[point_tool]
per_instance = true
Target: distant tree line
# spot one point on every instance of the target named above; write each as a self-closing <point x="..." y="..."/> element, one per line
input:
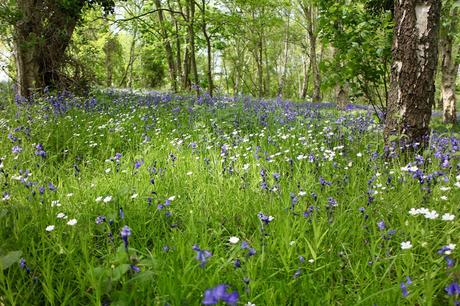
<point x="385" y="53"/>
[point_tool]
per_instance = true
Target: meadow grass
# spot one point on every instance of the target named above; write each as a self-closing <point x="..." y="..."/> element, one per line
<point x="132" y="200"/>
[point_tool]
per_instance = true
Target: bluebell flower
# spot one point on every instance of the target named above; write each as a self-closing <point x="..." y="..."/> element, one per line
<point x="453" y="289"/>
<point x="408" y="280"/>
<point x="40" y="151"/>
<point x="100" y="219"/>
<point x="331" y="202"/>
<point x="449" y="261"/>
<point x="314" y="196"/>
<point x="135" y="268"/>
<point x="125" y="233"/>
<point x="323" y="182"/>
<point x="201" y="255"/>
<point x="219" y="293"/>
<point x="265" y="219"/>
<point x="138" y="164"/>
<point x="16" y="150"/>
<point x="404" y="291"/>
<point x="381" y="225"/>
<point x="23" y="265"/>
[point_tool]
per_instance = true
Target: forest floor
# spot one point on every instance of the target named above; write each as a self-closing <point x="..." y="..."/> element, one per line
<point x="168" y="200"/>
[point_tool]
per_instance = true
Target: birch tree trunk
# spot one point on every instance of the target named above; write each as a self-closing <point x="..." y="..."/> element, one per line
<point x="411" y="95"/>
<point x="449" y="70"/>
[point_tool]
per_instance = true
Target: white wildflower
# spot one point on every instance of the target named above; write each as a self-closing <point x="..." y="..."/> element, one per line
<point x="72" y="222"/>
<point x="432" y="215"/>
<point x="234" y="240"/>
<point x="447" y="217"/>
<point x="405" y="245"/>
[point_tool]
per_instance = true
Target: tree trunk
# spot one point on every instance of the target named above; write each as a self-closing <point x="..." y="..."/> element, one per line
<point x="260" y="71"/>
<point x="306" y="75"/>
<point x="26" y="63"/>
<point x="449" y="69"/>
<point x="309" y="16"/>
<point x="191" y="30"/>
<point x="178" y="57"/>
<point x="41" y="36"/>
<point x="411" y="94"/>
<point x="108" y="51"/>
<point x="168" y="48"/>
<point x="132" y="58"/>
<point x="341" y="92"/>
<point x="187" y="84"/>
<point x="54" y="46"/>
<point x="207" y="37"/>
<point x="285" y="59"/>
<point x="341" y="89"/>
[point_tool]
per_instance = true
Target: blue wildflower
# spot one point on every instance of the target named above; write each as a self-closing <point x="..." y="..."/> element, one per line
<point x="201" y="255"/>
<point x="100" y="219"/>
<point x="405" y="293"/>
<point x="125" y="233"/>
<point x="453" y="289"/>
<point x="331" y="202"/>
<point x="16" y="150"/>
<point x="265" y="219"/>
<point x="212" y="296"/>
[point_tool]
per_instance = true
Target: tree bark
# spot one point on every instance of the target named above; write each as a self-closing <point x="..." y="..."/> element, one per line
<point x="207" y="37"/>
<point x="411" y="94"/>
<point x="306" y="75"/>
<point x="168" y="48"/>
<point x="191" y="32"/>
<point x="449" y="70"/>
<point x="341" y="89"/>
<point x="132" y="58"/>
<point x="285" y="59"/>
<point x="41" y="36"/>
<point x="178" y="56"/>
<point x="309" y="16"/>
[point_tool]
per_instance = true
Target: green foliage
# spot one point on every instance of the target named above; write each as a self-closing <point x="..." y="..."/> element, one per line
<point x="362" y="40"/>
<point x="153" y="70"/>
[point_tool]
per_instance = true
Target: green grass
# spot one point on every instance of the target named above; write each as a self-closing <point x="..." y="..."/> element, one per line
<point x="348" y="259"/>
